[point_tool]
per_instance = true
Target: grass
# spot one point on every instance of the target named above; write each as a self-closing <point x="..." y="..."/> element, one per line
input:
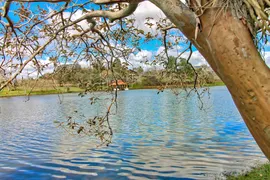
<point x="257" y="173"/>
<point x="23" y="92"/>
<point x="140" y="86"/>
<point x="136" y="86"/>
<point x="50" y="90"/>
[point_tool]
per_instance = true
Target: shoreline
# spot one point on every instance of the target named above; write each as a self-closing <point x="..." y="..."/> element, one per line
<point x="41" y="92"/>
<point x="17" y="93"/>
<point x="174" y="86"/>
<point x="258" y="172"/>
<point x="37" y="93"/>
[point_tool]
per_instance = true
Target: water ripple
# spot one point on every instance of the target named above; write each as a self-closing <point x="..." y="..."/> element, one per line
<point x="156" y="137"/>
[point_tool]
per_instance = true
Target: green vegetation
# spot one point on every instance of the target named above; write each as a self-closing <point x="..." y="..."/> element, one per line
<point x="259" y="173"/>
<point x="137" y="86"/>
<point x="60" y="90"/>
<point x="174" y="72"/>
<point x="22" y="92"/>
<point x="70" y="78"/>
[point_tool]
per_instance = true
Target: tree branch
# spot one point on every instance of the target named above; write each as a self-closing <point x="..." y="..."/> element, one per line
<point x="49" y="1"/>
<point x="115" y="1"/>
<point x="169" y="27"/>
<point x="89" y="17"/>
<point x="6" y="8"/>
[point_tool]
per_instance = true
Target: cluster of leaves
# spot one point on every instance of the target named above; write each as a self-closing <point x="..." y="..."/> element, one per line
<point x="97" y="126"/>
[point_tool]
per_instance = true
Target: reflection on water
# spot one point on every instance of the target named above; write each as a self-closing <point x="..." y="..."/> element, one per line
<point x="155" y="136"/>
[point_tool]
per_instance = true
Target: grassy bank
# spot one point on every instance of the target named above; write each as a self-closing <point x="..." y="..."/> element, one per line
<point x="140" y="86"/>
<point x="50" y="90"/>
<point x="23" y="92"/>
<point x="258" y="173"/>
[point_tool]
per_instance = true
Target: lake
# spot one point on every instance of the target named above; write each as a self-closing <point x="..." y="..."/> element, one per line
<point x="156" y="136"/>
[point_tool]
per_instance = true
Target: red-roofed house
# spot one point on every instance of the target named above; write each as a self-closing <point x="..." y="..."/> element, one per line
<point x="119" y="85"/>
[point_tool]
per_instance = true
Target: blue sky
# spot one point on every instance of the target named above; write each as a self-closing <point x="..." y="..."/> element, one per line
<point x="147" y="9"/>
<point x="153" y="47"/>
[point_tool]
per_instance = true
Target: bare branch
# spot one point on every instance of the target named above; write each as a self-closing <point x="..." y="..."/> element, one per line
<point x="6" y="8"/>
<point x="89" y="17"/>
<point x="169" y="27"/>
<point x="115" y="1"/>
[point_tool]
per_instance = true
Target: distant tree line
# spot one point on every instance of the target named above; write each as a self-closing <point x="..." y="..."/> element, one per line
<point x="175" y="72"/>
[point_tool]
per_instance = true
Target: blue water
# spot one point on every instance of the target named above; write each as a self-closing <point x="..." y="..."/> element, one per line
<point x="156" y="136"/>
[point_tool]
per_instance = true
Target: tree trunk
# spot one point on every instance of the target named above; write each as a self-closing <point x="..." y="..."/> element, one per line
<point x="227" y="45"/>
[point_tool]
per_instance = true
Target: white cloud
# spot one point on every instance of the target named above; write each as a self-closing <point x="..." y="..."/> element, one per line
<point x="147" y="9"/>
<point x="143" y="56"/>
<point x="30" y="69"/>
<point x="172" y="52"/>
<point x="78" y="14"/>
<point x="267" y="58"/>
<point x="196" y="59"/>
<point x="84" y="25"/>
<point x="140" y="59"/>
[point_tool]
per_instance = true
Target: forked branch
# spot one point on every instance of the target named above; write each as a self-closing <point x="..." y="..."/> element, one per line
<point x="89" y="16"/>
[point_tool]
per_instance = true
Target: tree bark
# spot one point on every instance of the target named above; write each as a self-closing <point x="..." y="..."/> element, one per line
<point x="227" y="45"/>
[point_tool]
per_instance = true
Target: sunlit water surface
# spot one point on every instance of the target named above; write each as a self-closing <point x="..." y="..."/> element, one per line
<point x="156" y="136"/>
